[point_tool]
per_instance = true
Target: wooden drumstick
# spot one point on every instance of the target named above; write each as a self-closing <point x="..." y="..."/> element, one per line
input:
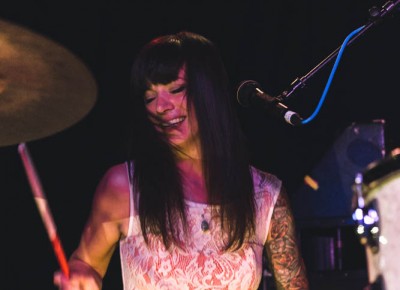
<point x="43" y="207"/>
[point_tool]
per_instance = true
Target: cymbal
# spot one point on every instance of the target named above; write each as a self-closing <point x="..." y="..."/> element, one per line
<point x="44" y="88"/>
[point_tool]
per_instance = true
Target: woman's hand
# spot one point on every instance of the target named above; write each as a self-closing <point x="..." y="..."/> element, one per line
<point x="82" y="277"/>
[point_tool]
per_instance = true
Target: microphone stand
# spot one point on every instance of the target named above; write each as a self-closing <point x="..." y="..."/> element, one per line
<point x="376" y="16"/>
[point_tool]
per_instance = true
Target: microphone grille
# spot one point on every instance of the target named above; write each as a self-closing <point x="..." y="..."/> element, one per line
<point x="245" y="92"/>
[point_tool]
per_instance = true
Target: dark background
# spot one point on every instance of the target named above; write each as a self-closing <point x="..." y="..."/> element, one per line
<point x="272" y="42"/>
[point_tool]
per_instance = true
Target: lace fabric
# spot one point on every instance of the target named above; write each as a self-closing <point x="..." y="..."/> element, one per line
<point x="200" y="263"/>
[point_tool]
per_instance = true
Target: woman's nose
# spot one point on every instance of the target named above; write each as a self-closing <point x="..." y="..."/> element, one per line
<point x="164" y="104"/>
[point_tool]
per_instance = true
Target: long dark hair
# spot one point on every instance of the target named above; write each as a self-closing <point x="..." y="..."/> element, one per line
<point x="224" y="155"/>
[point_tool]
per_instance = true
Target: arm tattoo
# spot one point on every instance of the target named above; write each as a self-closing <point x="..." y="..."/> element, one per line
<point x="282" y="249"/>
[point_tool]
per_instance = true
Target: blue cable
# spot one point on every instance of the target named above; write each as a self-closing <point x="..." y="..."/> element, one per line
<point x="331" y="76"/>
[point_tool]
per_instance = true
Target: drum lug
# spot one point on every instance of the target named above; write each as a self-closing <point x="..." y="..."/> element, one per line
<point x="366" y="217"/>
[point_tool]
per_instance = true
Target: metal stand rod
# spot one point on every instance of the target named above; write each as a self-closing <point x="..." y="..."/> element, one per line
<point x="376" y="16"/>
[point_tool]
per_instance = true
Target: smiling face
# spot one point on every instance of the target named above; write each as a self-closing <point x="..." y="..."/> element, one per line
<point x="167" y="109"/>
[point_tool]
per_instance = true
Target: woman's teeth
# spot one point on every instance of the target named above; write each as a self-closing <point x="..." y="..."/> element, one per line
<point x="172" y="122"/>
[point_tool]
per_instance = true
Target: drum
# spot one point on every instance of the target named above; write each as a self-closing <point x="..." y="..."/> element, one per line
<point x="376" y="210"/>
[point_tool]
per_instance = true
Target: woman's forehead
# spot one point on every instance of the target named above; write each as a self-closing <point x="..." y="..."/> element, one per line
<point x="182" y="73"/>
<point x="180" y="77"/>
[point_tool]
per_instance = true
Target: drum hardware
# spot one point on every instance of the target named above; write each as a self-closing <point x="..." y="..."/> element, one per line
<point x="366" y="218"/>
<point x="376" y="212"/>
<point x="44" y="88"/>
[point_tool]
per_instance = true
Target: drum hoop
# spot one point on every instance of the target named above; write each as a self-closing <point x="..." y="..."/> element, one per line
<point x="370" y="192"/>
<point x="381" y="168"/>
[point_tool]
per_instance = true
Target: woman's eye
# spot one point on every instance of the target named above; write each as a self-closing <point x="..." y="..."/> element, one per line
<point x="148" y="100"/>
<point x="178" y="90"/>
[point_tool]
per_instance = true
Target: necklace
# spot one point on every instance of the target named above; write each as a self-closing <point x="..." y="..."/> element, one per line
<point x="204" y="224"/>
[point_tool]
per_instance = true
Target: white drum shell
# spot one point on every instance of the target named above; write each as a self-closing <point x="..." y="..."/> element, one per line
<point x="386" y="262"/>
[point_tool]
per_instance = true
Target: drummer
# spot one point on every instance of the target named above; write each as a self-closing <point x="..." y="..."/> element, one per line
<point x="188" y="210"/>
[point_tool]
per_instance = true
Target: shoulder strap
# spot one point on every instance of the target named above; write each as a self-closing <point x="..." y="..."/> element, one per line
<point x="129" y="169"/>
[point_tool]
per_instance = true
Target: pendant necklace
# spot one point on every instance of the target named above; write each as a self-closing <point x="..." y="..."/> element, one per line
<point x="204" y="224"/>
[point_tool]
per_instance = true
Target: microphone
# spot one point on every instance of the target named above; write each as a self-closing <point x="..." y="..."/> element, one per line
<point x="249" y="93"/>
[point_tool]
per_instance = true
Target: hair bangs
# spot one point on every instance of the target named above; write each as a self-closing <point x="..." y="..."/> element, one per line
<point x="163" y="60"/>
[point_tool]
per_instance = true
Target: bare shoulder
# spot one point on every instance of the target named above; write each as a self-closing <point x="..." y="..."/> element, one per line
<point x="116" y="178"/>
<point x="112" y="193"/>
<point x="265" y="181"/>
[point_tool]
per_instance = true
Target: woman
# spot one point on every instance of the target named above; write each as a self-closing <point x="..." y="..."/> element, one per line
<point x="189" y="211"/>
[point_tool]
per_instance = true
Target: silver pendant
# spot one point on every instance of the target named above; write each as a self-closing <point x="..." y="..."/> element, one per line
<point x="205" y="226"/>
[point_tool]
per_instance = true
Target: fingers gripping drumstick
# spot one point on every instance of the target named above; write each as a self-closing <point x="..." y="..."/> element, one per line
<point x="43" y="207"/>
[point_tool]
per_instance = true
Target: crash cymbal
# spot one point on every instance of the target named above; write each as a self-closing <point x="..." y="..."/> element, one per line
<point x="44" y="88"/>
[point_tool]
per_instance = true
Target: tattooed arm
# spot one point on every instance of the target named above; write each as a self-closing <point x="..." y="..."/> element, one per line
<point x="282" y="250"/>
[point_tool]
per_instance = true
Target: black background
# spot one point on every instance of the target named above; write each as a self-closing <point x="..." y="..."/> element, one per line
<point x="272" y="42"/>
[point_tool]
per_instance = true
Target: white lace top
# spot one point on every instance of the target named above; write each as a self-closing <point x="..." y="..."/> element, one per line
<point x="200" y="264"/>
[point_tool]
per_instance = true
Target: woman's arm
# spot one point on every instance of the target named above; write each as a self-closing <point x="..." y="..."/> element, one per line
<point x="88" y="263"/>
<point x="282" y="249"/>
